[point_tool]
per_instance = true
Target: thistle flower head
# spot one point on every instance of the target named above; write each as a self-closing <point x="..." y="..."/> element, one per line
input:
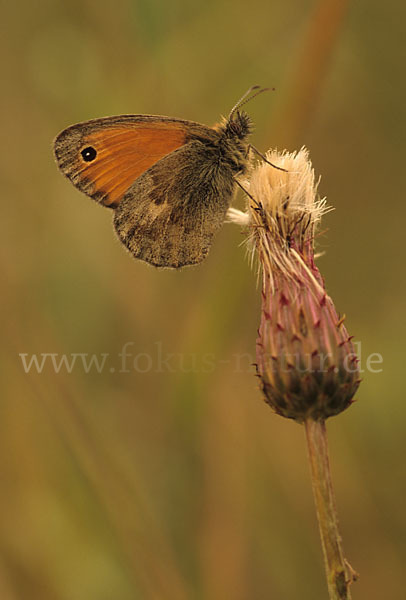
<point x="305" y="357"/>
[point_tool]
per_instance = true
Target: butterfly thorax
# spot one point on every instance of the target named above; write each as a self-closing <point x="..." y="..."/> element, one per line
<point x="232" y="144"/>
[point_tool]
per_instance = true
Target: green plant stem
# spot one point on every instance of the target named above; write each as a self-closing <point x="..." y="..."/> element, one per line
<point x="339" y="573"/>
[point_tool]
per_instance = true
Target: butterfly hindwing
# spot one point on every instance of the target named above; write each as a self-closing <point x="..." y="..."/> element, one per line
<point x="169" y="215"/>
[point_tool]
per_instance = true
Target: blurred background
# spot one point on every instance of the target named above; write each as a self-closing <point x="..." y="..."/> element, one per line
<point x="151" y="468"/>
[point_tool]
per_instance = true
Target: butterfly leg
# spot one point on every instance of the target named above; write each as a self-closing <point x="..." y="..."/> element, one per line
<point x="258" y="205"/>
<point x="251" y="147"/>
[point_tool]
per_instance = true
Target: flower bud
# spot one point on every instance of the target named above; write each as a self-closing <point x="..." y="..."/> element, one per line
<point x="306" y="361"/>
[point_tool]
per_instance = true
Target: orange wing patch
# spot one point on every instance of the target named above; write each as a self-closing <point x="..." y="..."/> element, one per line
<point x="122" y="155"/>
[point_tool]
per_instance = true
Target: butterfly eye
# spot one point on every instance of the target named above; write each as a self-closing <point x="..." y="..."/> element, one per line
<point x="89" y="154"/>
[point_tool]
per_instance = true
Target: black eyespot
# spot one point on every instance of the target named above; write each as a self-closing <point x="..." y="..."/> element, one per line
<point x="89" y="154"/>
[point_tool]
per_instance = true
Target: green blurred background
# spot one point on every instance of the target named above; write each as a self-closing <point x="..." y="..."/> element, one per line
<point x="174" y="480"/>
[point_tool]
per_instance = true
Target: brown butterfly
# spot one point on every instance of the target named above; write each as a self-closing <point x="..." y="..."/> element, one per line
<point x="169" y="181"/>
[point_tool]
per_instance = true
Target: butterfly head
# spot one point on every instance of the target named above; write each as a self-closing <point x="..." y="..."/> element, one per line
<point x="238" y="126"/>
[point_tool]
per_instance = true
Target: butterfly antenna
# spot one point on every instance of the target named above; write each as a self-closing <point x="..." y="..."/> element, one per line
<point x="247" y="98"/>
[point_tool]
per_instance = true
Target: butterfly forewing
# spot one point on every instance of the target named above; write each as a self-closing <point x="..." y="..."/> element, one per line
<point x="104" y="157"/>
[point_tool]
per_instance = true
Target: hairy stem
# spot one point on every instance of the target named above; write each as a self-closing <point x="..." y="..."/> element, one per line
<point x="339" y="573"/>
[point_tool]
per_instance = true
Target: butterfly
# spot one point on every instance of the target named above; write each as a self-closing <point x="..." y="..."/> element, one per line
<point x="169" y="182"/>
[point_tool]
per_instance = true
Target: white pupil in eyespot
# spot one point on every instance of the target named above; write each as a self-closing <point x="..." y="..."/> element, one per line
<point x="89" y="154"/>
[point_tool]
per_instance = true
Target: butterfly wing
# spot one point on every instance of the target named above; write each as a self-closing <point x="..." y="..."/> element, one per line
<point x="169" y="215"/>
<point x="104" y="157"/>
